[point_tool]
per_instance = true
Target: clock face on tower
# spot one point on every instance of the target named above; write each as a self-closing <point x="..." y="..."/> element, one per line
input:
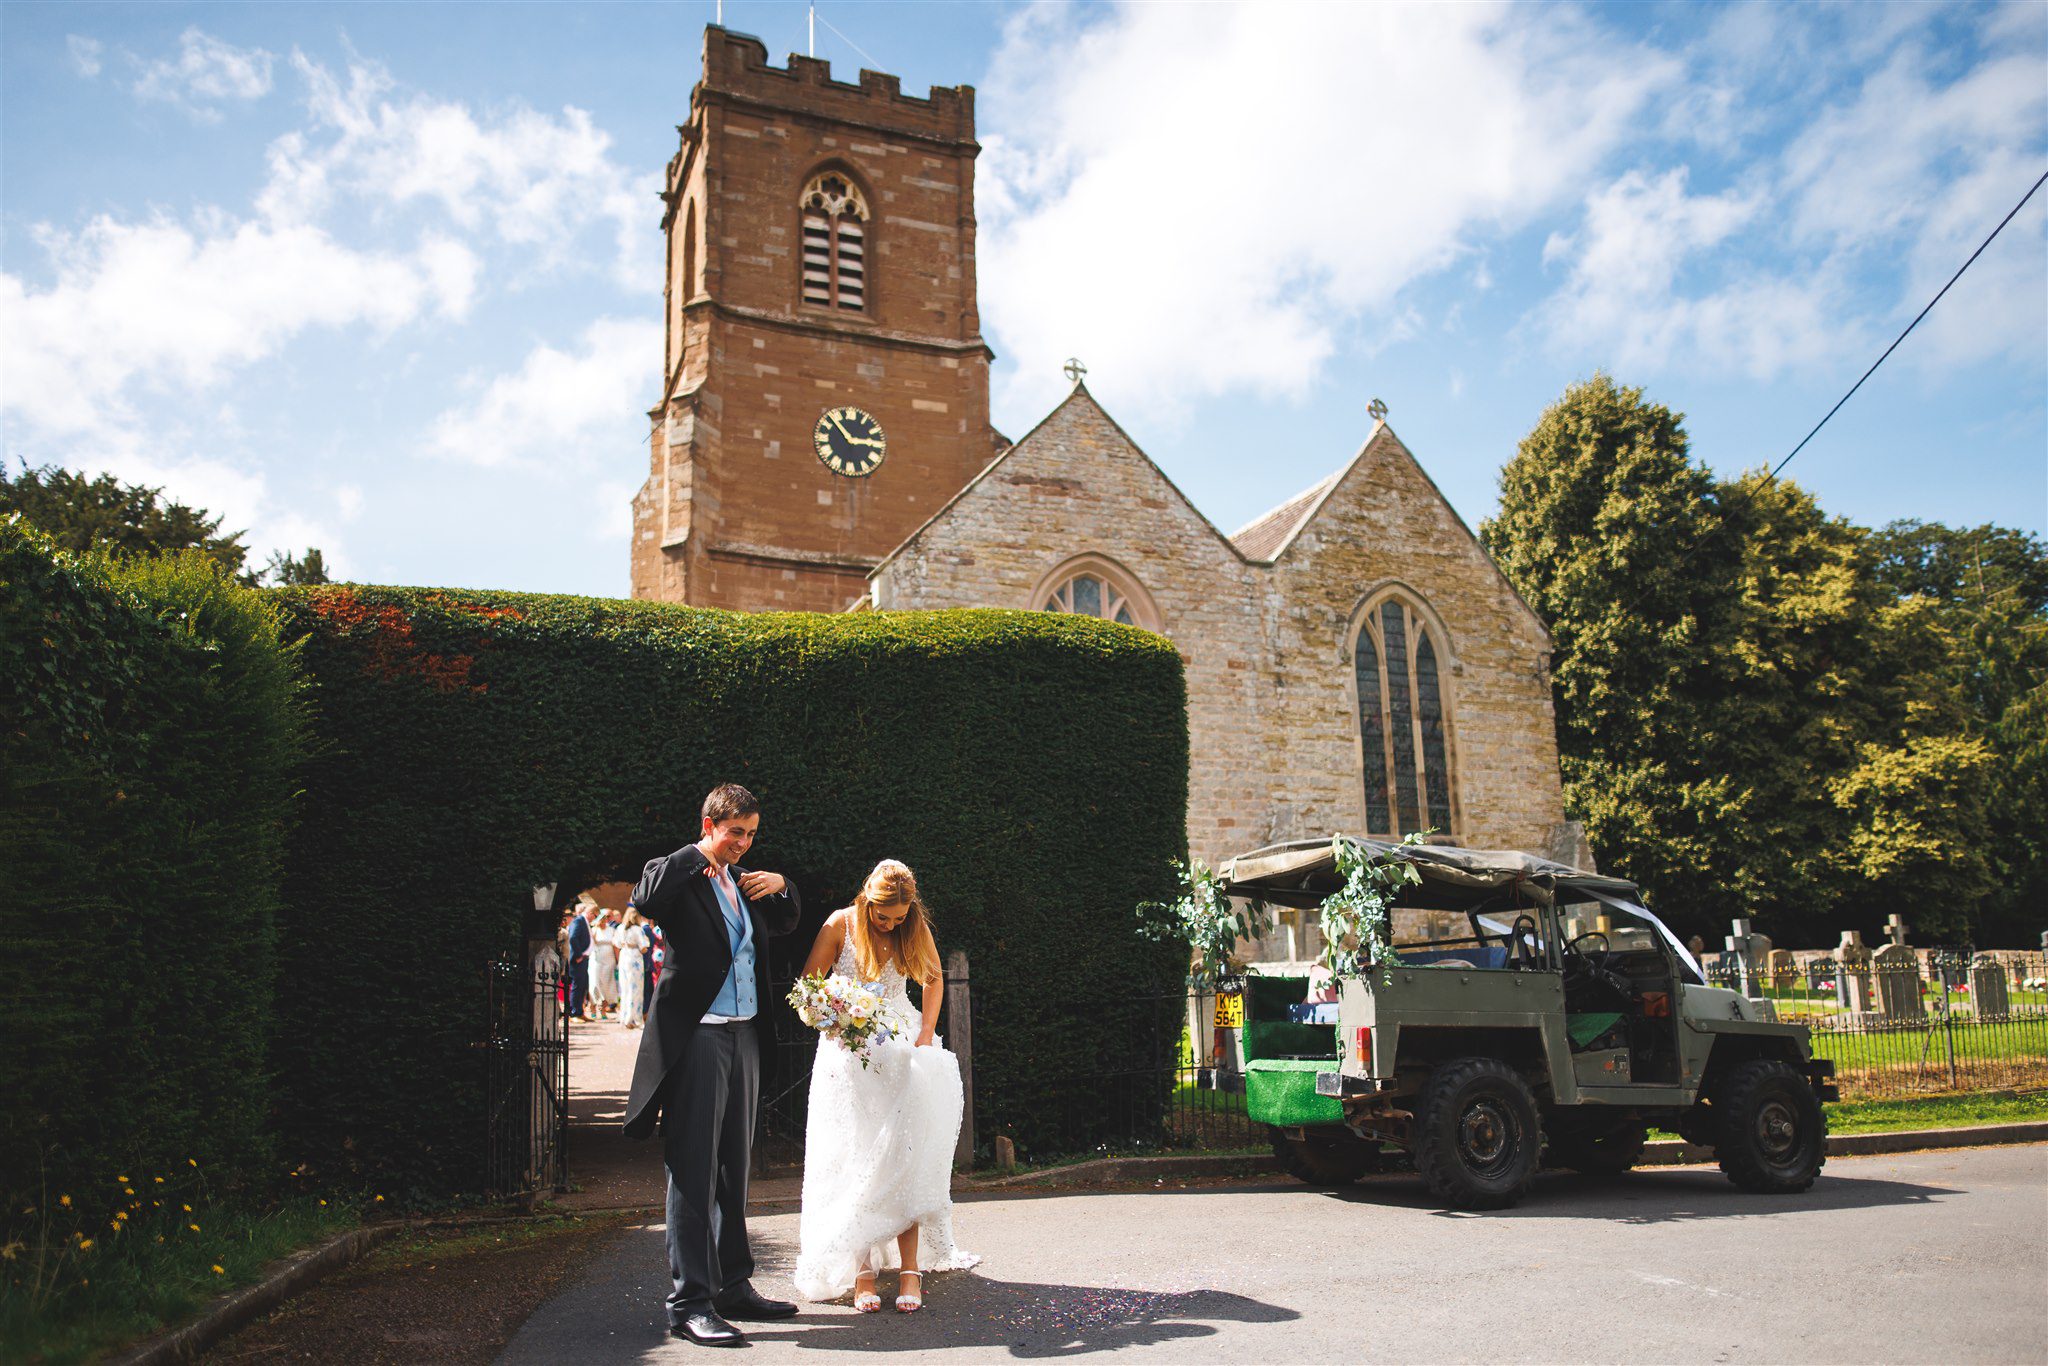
<point x="849" y="441"/>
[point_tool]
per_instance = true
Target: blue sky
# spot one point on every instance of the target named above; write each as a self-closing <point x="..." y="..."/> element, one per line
<point x="385" y="278"/>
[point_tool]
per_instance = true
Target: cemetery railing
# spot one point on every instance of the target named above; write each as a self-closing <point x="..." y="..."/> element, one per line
<point x="1910" y="1022"/>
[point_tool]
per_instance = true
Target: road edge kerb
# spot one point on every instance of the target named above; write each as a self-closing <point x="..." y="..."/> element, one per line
<point x="287" y="1277"/>
<point x="1669" y="1153"/>
<point x="1676" y="1152"/>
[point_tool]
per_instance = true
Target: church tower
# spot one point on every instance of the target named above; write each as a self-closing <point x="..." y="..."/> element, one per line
<point x="825" y="381"/>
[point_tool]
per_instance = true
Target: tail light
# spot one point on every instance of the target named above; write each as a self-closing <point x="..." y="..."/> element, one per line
<point x="1361" y="1046"/>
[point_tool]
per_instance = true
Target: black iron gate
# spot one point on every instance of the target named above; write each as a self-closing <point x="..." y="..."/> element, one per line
<point x="526" y="1083"/>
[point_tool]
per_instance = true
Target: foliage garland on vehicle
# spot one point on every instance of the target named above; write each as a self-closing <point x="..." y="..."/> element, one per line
<point x="1354" y="917"/>
<point x="1205" y="918"/>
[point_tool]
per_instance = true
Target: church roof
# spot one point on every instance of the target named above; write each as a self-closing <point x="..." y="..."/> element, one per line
<point x="1263" y="538"/>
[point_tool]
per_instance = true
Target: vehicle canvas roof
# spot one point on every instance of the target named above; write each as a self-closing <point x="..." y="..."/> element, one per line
<point x="1303" y="872"/>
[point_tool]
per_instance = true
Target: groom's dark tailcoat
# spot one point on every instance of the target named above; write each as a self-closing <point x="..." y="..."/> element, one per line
<point x="675" y="894"/>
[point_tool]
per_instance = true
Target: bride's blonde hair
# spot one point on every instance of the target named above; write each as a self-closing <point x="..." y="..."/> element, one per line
<point x="910" y="944"/>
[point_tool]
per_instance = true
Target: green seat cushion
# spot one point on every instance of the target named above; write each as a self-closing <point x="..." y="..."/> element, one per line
<point x="1282" y="1039"/>
<point x="1283" y="1091"/>
<point x="1590" y="1026"/>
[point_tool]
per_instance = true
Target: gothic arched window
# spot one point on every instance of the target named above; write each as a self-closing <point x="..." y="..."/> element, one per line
<point x="1401" y="723"/>
<point x="835" y="242"/>
<point x="1096" y="586"/>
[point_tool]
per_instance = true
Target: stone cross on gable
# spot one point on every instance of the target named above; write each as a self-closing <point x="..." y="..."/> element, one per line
<point x="1376" y="410"/>
<point x="1895" y="927"/>
<point x="1073" y="369"/>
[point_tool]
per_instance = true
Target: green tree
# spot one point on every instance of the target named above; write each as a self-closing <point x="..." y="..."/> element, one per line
<point x="82" y="514"/>
<point x="1749" y="720"/>
<point x="1971" y="614"/>
<point x="1614" y="537"/>
<point x="285" y="570"/>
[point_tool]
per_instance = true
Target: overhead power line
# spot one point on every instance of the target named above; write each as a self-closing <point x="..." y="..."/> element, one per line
<point x="1909" y="327"/>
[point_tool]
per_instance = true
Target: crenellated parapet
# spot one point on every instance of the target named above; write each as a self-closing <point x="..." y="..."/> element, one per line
<point x="736" y="68"/>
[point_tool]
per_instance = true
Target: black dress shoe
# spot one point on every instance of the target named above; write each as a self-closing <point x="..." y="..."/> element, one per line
<point x="749" y="1303"/>
<point x="707" y="1329"/>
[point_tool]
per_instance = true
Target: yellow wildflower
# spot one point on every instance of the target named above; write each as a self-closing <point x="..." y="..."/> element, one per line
<point x="193" y="1227"/>
<point x="323" y="1202"/>
<point x="159" y="1180"/>
<point x="85" y="1245"/>
<point x="191" y="1161"/>
<point x="217" y="1270"/>
<point x="114" y="1225"/>
<point x="380" y="1200"/>
<point x="65" y="1201"/>
<point x="122" y="1179"/>
<point x="188" y="1209"/>
<point x="12" y="1250"/>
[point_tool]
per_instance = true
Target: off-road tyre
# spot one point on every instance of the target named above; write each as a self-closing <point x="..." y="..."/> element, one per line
<point x="1478" y="1134"/>
<point x="1323" y="1157"/>
<point x="1608" y="1152"/>
<point x="1771" y="1134"/>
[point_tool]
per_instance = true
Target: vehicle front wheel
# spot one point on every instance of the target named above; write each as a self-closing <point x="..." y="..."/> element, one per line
<point x="1594" y="1150"/>
<point x="1771" y="1135"/>
<point x="1325" y="1157"/>
<point x="1477" y="1134"/>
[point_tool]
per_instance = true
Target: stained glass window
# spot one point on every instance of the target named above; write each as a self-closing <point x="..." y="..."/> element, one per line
<point x="1401" y="724"/>
<point x="1372" y="730"/>
<point x="1095" y="593"/>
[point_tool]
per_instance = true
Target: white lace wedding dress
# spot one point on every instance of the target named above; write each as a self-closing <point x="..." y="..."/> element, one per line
<point x="878" y="1152"/>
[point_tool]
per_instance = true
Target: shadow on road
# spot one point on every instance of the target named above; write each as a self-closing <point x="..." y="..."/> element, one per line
<point x="1651" y="1197"/>
<point x="963" y="1310"/>
<point x="1031" y="1320"/>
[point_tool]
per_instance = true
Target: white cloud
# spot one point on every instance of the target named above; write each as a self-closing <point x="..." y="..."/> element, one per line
<point x="205" y="73"/>
<point x="1624" y="297"/>
<point x="84" y="53"/>
<point x="571" y="410"/>
<point x="1201" y="207"/>
<point x="521" y="177"/>
<point x="177" y="308"/>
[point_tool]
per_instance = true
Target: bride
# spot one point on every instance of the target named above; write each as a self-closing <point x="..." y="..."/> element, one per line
<point x="878" y="1150"/>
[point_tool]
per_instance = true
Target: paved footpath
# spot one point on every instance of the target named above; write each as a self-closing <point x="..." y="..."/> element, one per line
<point x="1911" y="1258"/>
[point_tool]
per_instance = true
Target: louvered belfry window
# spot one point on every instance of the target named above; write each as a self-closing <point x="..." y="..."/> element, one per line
<point x="1401" y="727"/>
<point x="835" y="243"/>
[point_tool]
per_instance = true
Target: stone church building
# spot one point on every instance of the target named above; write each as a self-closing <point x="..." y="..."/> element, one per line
<point x="1355" y="661"/>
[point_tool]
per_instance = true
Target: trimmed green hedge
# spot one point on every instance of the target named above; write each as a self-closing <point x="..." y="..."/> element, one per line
<point x="149" y="726"/>
<point x="1031" y="768"/>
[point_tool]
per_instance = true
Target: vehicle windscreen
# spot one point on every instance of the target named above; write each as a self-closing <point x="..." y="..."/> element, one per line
<point x="1638" y="919"/>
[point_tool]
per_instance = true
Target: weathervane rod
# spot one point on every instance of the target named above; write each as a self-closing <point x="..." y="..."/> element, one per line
<point x="813" y="50"/>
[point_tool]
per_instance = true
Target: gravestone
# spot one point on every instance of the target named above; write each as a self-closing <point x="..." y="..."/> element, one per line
<point x="1895" y="972"/>
<point x="1749" y="950"/>
<point x="1852" y="973"/>
<point x="1989" y="991"/>
<point x="1781" y="971"/>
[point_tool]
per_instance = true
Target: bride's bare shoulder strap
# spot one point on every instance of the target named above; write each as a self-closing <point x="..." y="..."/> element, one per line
<point x="825" y="948"/>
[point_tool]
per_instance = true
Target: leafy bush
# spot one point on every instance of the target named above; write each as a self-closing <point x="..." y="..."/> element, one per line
<point x="151" y="728"/>
<point x="1031" y="768"/>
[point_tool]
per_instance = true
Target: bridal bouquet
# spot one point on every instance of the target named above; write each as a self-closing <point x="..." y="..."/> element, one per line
<point x="840" y="1008"/>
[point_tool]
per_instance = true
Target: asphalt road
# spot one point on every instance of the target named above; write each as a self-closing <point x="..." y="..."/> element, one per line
<point x="1916" y="1258"/>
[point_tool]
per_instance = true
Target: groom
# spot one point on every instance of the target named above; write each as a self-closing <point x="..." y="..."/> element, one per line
<point x="698" y="1075"/>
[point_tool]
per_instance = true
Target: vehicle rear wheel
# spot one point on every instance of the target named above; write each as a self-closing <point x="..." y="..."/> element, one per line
<point x="1771" y="1135"/>
<point x="1325" y="1157"/>
<point x="1477" y="1134"/>
<point x="1595" y="1149"/>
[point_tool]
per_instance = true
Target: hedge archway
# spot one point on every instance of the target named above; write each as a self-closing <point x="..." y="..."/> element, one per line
<point x="1031" y="767"/>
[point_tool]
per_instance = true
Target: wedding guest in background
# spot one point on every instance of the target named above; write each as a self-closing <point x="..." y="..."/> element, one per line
<point x="604" y="964"/>
<point x="633" y="945"/>
<point x="578" y="959"/>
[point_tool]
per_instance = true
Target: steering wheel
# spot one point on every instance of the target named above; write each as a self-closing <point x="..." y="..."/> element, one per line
<point x="1605" y="946"/>
<point x="1522" y="942"/>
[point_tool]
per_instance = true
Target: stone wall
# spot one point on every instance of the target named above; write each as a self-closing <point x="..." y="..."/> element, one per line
<point x="1272" y="720"/>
